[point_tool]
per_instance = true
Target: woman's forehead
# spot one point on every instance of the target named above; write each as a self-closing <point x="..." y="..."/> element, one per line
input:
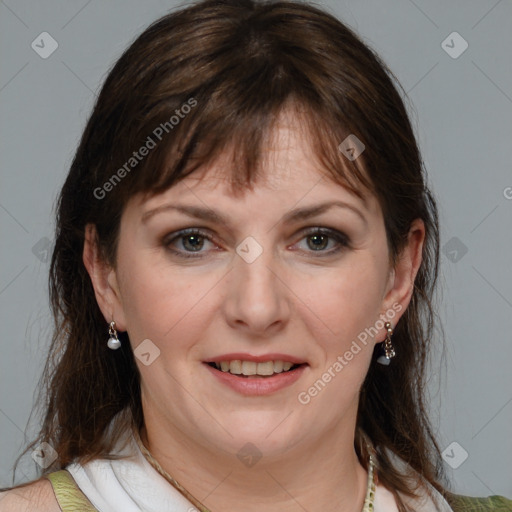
<point x="277" y="190"/>
<point x="286" y="154"/>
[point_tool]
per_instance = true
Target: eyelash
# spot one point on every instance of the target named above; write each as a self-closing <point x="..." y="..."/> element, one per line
<point x="341" y="239"/>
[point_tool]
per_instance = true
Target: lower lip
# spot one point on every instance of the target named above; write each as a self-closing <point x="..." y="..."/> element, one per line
<point x="258" y="386"/>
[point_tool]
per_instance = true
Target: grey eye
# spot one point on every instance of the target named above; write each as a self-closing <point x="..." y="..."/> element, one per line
<point x="193" y="242"/>
<point x="318" y="242"/>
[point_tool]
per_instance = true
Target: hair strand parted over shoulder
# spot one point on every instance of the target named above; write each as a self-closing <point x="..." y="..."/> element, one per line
<point x="208" y="80"/>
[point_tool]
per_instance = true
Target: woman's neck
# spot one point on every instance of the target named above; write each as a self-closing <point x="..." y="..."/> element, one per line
<point x="324" y="476"/>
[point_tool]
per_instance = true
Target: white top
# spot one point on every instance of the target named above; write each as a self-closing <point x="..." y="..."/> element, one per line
<point x="133" y="485"/>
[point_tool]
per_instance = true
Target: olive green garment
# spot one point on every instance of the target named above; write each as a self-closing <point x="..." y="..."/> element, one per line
<point x="68" y="494"/>
<point x="461" y="503"/>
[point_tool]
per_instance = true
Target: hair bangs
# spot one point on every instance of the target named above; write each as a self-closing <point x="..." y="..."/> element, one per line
<point x="239" y="141"/>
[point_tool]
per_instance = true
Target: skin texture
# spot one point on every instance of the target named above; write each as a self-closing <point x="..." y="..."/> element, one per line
<point x="37" y="496"/>
<point x="292" y="299"/>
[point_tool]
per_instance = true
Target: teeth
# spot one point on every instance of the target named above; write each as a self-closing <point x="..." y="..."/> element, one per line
<point x="235" y="367"/>
<point x="267" y="368"/>
<point x="249" y="367"/>
<point x="278" y="366"/>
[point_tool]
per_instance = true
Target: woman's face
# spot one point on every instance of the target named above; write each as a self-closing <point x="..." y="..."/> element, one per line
<point x="295" y="270"/>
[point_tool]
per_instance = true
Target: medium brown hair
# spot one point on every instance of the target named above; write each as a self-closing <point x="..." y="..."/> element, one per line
<point x="237" y="64"/>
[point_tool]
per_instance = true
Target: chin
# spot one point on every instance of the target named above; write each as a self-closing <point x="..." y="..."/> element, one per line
<point x="271" y="433"/>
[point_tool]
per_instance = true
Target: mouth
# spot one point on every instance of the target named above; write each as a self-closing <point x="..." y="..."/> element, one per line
<point x="252" y="369"/>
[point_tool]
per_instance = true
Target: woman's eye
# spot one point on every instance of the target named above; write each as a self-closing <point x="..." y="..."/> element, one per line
<point x="190" y="241"/>
<point x="324" y="241"/>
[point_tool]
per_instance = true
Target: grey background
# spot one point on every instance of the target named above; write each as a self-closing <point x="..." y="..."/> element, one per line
<point x="462" y="110"/>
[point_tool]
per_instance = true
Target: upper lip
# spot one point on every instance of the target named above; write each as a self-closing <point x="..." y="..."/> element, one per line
<point x="257" y="359"/>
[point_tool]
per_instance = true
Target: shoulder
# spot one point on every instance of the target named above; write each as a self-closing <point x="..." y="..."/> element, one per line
<point x="460" y="503"/>
<point x="37" y="496"/>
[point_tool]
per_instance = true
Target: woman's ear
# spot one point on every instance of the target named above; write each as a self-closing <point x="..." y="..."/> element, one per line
<point x="402" y="276"/>
<point x="104" y="280"/>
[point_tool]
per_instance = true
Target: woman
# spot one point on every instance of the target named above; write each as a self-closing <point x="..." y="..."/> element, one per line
<point x="245" y="258"/>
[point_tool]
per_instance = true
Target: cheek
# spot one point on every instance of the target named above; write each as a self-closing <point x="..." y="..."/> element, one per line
<point x="160" y="302"/>
<point x="341" y="304"/>
<point x="340" y="314"/>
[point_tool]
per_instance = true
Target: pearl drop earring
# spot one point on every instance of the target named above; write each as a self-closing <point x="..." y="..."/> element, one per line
<point x="113" y="342"/>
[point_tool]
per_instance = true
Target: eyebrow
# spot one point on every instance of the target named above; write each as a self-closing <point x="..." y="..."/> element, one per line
<point x="208" y="214"/>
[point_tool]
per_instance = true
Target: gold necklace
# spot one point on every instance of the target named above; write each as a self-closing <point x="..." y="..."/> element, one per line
<point x="367" y="506"/>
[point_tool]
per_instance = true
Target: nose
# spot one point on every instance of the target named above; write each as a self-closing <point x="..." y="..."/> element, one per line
<point x="258" y="299"/>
